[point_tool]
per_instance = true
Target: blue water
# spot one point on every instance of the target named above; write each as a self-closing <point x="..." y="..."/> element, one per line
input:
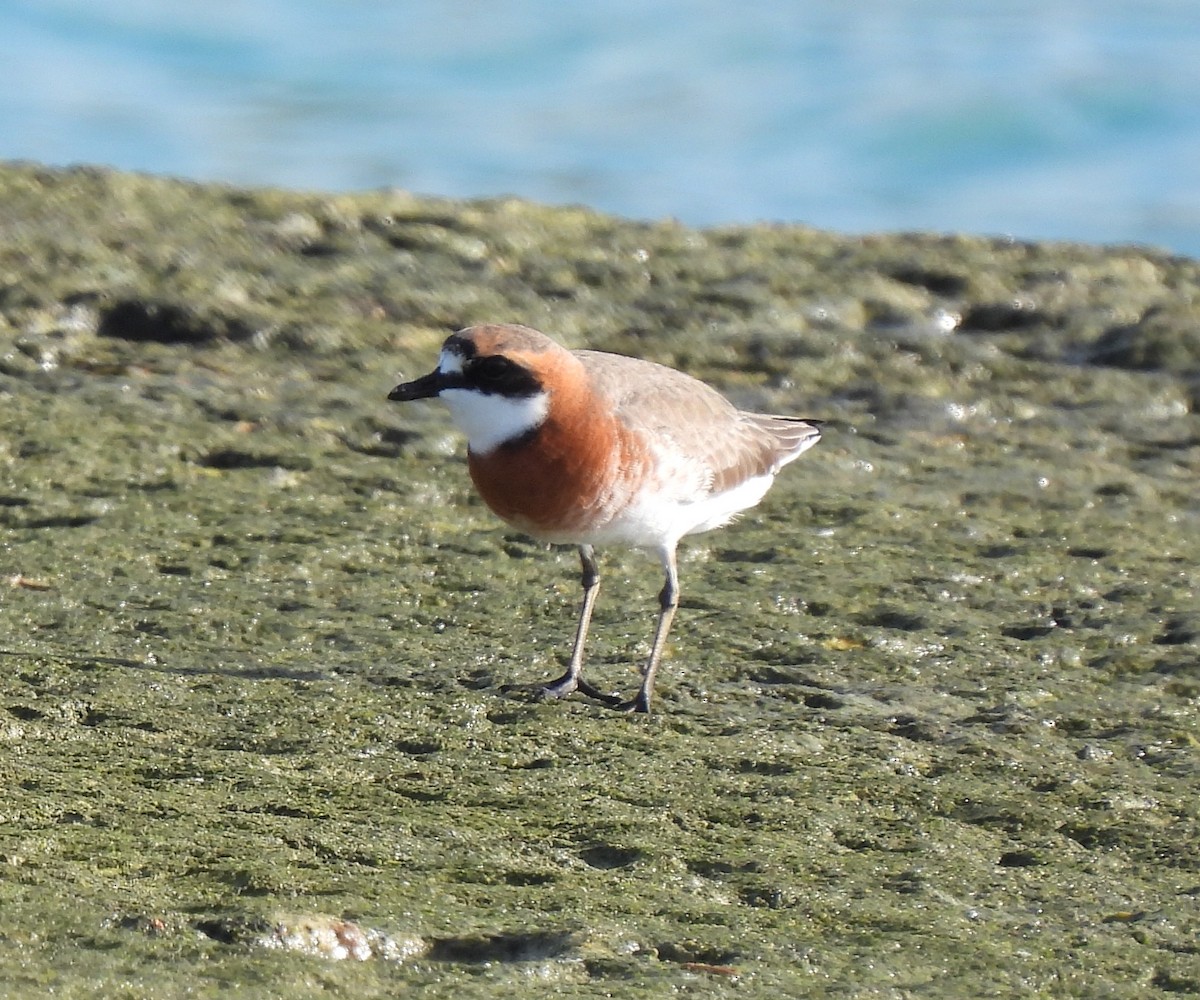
<point x="1076" y="119"/>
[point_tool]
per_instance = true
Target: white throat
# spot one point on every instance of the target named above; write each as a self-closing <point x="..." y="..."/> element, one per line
<point x="491" y="420"/>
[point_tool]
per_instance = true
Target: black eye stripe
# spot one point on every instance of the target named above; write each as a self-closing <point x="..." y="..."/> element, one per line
<point x="494" y="367"/>
<point x="500" y="376"/>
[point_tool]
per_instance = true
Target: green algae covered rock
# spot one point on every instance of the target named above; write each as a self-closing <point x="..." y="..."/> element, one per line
<point x="927" y="728"/>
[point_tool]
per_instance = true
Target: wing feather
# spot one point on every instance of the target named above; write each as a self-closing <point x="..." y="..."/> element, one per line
<point x="687" y="417"/>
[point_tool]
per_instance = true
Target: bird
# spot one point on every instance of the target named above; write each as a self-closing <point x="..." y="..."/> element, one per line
<point x="589" y="449"/>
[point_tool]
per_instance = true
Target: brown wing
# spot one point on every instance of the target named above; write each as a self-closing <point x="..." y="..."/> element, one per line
<point x="668" y="406"/>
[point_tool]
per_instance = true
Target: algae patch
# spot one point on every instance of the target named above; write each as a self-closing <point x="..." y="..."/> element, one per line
<point x="928" y="723"/>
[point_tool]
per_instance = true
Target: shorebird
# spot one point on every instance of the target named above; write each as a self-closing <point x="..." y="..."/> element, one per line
<point x="588" y="448"/>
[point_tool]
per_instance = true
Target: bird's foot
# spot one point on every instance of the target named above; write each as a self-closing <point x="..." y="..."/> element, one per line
<point x="638" y="704"/>
<point x="563" y="686"/>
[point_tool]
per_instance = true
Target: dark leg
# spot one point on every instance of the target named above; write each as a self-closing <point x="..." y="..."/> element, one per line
<point x="573" y="680"/>
<point x="668" y="601"/>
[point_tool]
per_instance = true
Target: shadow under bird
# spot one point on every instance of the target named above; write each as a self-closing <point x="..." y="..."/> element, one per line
<point x="588" y="448"/>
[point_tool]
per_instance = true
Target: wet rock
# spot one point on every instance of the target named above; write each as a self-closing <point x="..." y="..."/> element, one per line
<point x="1164" y="338"/>
<point x="337" y="940"/>
<point x="934" y="697"/>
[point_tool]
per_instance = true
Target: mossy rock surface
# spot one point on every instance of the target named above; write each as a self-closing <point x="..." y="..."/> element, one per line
<point x="927" y="726"/>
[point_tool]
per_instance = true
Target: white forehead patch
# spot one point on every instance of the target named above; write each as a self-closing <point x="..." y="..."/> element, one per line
<point x="492" y="420"/>
<point x="450" y="363"/>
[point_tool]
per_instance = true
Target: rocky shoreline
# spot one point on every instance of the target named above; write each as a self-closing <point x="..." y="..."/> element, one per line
<point x="928" y="725"/>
